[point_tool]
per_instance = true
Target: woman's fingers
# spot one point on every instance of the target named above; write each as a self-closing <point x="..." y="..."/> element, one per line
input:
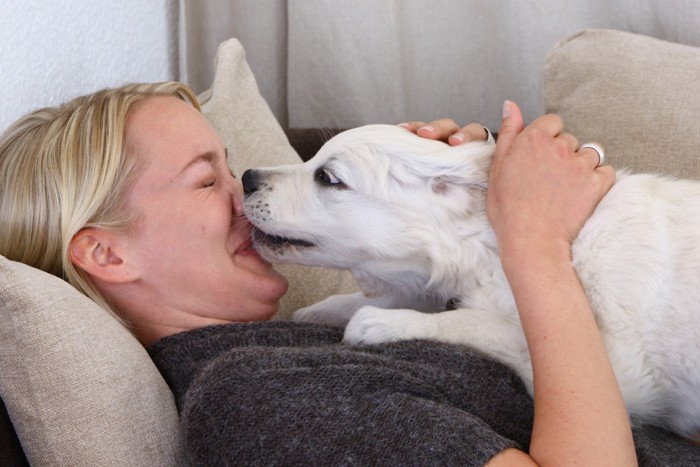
<point x="571" y="140"/>
<point x="412" y="126"/>
<point x="471" y="132"/>
<point x="447" y="130"/>
<point x="550" y="124"/>
<point x="438" y="129"/>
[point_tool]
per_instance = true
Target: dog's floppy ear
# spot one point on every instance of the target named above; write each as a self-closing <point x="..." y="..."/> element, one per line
<point x="442" y="184"/>
<point x="463" y="168"/>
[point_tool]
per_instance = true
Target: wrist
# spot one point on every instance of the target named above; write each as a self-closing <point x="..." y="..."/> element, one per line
<point x="523" y="251"/>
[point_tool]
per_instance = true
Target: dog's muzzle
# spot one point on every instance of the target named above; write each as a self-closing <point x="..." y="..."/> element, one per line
<point x="250" y="181"/>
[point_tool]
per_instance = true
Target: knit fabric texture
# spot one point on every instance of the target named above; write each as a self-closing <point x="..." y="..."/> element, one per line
<point x="283" y="393"/>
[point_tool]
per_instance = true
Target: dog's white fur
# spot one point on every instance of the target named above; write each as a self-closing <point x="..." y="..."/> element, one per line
<point x="407" y="217"/>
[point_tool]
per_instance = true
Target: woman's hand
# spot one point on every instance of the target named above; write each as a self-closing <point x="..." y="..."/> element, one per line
<point x="448" y="131"/>
<point x="541" y="191"/>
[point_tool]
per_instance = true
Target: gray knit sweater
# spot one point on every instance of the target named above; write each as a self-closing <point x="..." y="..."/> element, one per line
<point x="282" y="393"/>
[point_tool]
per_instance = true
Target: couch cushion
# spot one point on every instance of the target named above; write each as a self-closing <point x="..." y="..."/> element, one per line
<point x="638" y="96"/>
<point x="79" y="388"/>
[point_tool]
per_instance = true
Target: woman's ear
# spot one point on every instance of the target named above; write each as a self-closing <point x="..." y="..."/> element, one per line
<point x="102" y="255"/>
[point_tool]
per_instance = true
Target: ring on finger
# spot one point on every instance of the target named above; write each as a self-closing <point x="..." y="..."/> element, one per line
<point x="599" y="150"/>
<point x="489" y="136"/>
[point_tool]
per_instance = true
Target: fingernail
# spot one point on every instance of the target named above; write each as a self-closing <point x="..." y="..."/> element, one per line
<point x="457" y="138"/>
<point x="506" y="109"/>
<point x="405" y="125"/>
<point x="428" y="128"/>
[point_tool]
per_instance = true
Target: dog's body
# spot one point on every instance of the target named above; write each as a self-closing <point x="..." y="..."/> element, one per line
<point x="407" y="216"/>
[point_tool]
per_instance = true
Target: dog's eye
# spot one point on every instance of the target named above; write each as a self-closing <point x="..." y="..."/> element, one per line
<point x="327" y="177"/>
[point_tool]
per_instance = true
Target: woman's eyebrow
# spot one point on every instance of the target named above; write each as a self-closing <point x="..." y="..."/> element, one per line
<point x="208" y="157"/>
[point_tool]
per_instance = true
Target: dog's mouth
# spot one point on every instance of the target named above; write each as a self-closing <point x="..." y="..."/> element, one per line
<point x="268" y="239"/>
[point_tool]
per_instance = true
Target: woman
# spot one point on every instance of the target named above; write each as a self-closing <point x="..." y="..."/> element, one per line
<point x="126" y="193"/>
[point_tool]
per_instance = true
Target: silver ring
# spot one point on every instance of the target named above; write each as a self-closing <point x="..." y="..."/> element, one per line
<point x="489" y="136"/>
<point x="596" y="148"/>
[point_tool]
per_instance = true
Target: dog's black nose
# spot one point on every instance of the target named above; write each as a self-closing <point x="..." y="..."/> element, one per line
<point x="251" y="181"/>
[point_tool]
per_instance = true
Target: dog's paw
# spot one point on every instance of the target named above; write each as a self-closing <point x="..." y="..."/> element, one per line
<point x="372" y="325"/>
<point x="310" y="314"/>
<point x="335" y="310"/>
<point x="323" y="315"/>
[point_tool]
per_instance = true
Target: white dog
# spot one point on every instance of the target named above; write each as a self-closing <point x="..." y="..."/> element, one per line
<point x="406" y="215"/>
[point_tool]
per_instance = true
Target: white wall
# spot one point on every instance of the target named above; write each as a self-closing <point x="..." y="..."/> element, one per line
<point x="51" y="51"/>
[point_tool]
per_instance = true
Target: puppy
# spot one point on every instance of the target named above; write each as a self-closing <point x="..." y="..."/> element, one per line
<point x="407" y="216"/>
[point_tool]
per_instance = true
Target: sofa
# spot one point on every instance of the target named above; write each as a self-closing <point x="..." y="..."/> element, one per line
<point x="77" y="389"/>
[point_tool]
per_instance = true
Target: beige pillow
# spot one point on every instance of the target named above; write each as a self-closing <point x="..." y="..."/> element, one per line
<point x="80" y="390"/>
<point x="253" y="137"/>
<point x="638" y="96"/>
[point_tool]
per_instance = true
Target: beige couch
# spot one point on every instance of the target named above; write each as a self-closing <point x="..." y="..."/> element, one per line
<point x="80" y="390"/>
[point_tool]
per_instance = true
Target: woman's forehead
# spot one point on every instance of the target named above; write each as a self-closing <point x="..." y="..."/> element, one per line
<point x="165" y="129"/>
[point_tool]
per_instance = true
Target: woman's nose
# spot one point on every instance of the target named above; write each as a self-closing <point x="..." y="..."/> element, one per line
<point x="237" y="188"/>
<point x="237" y="196"/>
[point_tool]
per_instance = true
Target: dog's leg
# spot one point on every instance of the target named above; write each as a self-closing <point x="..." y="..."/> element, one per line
<point x="337" y="310"/>
<point x="498" y="336"/>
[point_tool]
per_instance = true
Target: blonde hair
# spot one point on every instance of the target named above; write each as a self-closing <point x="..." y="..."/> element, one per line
<point x="66" y="168"/>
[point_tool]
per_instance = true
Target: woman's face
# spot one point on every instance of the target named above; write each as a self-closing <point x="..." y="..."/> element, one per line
<point x="191" y="241"/>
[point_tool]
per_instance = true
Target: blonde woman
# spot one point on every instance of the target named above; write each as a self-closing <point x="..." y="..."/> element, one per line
<point x="127" y="195"/>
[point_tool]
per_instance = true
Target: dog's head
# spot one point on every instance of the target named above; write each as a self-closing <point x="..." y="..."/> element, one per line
<point x="372" y="194"/>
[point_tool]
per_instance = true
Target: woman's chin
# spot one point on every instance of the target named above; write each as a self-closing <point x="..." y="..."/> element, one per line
<point x="272" y="285"/>
<point x="283" y="283"/>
